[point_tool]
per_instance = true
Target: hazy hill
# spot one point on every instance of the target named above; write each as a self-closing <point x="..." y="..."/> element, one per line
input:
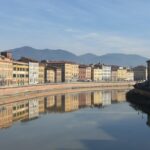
<point x="48" y="54"/>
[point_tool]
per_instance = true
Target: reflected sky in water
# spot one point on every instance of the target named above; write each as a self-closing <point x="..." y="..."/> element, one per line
<point x="91" y="120"/>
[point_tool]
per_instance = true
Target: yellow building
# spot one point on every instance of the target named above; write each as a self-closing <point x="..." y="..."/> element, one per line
<point x="75" y="72"/>
<point x="58" y="76"/>
<point x="96" y="74"/>
<point x="41" y="73"/>
<point x="6" y="71"/>
<point x="122" y="74"/>
<point x="50" y="75"/>
<point x="70" y="70"/>
<point x="20" y="73"/>
<point x="130" y="75"/>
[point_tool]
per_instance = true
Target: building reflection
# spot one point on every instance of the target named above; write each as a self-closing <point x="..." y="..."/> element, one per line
<point x="6" y="116"/>
<point x="96" y="98"/>
<point x="118" y="96"/>
<point x="70" y="102"/>
<point x="85" y="99"/>
<point x="50" y="103"/>
<point x="32" y="108"/>
<point x="106" y="98"/>
<point x="20" y="110"/>
<point x="140" y="104"/>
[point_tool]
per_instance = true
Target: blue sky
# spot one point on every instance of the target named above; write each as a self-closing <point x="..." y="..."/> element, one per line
<point x="80" y="26"/>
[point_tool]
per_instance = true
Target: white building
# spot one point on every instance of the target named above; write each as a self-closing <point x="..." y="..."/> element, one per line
<point x="106" y="73"/>
<point x="96" y="74"/>
<point x="33" y="72"/>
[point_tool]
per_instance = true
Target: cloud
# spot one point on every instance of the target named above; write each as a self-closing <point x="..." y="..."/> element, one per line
<point x="70" y="30"/>
<point x="109" y="43"/>
<point x="81" y="26"/>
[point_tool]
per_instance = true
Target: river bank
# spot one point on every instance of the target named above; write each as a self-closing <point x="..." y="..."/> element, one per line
<point x="12" y="94"/>
<point x="9" y="91"/>
<point x="142" y="95"/>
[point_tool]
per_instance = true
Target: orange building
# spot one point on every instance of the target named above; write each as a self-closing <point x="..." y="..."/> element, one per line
<point x="6" y="69"/>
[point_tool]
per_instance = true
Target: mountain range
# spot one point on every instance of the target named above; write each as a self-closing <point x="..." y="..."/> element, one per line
<point x="49" y="54"/>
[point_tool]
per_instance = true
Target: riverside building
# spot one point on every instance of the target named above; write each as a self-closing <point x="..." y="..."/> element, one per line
<point x="148" y="70"/>
<point x="6" y="69"/>
<point x="69" y="70"/>
<point x="106" y="71"/>
<point x="84" y="73"/>
<point x="41" y="78"/>
<point x="140" y="73"/>
<point x="33" y="70"/>
<point x="20" y="73"/>
<point x="49" y="75"/>
<point x="96" y="74"/>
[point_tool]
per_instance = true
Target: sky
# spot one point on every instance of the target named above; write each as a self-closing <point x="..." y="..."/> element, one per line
<point x="79" y="26"/>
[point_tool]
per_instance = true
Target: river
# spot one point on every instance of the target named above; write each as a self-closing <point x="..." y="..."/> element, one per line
<point x="92" y="120"/>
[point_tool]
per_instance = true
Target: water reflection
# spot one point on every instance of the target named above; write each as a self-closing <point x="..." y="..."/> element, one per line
<point x="140" y="103"/>
<point x="32" y="108"/>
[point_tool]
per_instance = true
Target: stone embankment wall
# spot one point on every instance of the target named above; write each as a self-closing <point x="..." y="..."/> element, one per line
<point x="11" y="91"/>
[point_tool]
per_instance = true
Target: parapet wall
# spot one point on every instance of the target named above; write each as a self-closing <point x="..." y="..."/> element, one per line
<point x="54" y="87"/>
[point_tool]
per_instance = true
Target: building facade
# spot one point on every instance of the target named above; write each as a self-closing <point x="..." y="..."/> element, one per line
<point x="6" y="71"/>
<point x="41" y="78"/>
<point x="84" y="73"/>
<point x="20" y="73"/>
<point x="33" y="70"/>
<point x="106" y="73"/>
<point x="140" y="73"/>
<point x="58" y="75"/>
<point x="122" y="74"/>
<point x="50" y="75"/>
<point x="97" y="74"/>
<point x="130" y="75"/>
<point x="69" y="70"/>
<point x="33" y="73"/>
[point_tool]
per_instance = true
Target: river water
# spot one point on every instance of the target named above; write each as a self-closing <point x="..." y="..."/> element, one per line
<point x="89" y="120"/>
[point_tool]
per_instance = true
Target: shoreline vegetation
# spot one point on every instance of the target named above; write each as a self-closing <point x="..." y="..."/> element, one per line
<point x="140" y="93"/>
